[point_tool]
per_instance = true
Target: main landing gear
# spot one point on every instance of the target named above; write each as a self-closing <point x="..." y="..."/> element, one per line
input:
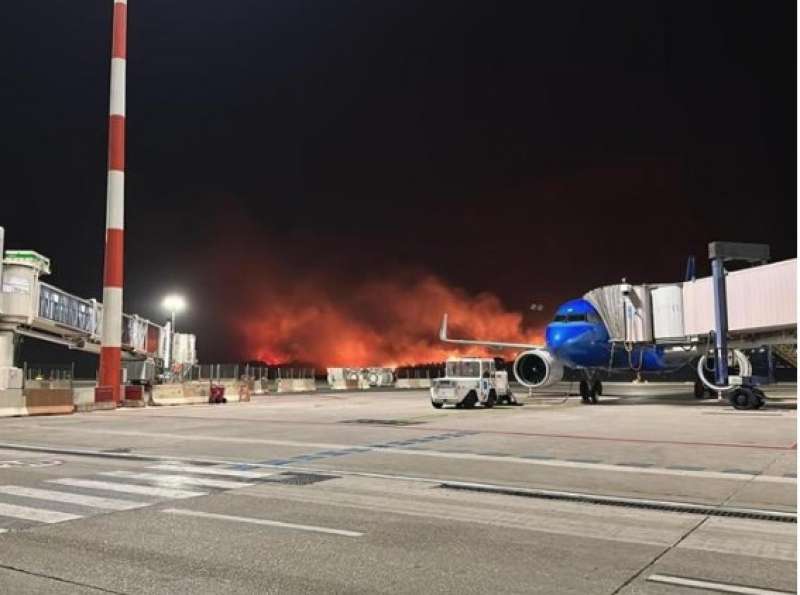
<point x="590" y="389"/>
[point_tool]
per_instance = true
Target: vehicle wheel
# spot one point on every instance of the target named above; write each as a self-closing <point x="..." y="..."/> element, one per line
<point x="745" y="399"/>
<point x="470" y="400"/>
<point x="490" y="400"/>
<point x="584" y="390"/>
<point x="761" y="398"/>
<point x="597" y="389"/>
<point x="436" y="405"/>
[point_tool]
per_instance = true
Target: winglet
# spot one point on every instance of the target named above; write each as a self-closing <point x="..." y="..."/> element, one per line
<point x="443" y="329"/>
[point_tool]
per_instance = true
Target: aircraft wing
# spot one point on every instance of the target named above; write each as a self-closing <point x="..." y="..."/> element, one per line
<point x="495" y="344"/>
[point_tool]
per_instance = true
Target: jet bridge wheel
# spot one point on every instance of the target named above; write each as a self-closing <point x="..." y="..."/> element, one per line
<point x="746" y="398"/>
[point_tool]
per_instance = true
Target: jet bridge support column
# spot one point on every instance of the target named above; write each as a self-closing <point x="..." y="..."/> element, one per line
<point x="720" y="253"/>
<point x="720" y="321"/>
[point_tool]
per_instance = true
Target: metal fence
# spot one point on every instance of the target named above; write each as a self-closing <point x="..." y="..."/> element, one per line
<point x="433" y="370"/>
<point x="219" y="372"/>
<point x="48" y="373"/>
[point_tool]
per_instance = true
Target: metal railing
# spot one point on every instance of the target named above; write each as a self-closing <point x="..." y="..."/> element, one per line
<point x="48" y="374"/>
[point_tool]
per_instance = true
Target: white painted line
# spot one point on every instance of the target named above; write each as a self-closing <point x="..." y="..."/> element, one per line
<point x="178" y="480"/>
<point x="211" y="471"/>
<point x="268" y="523"/>
<point x="714" y="586"/>
<point x="70" y="498"/>
<point x="445" y="455"/>
<point x="128" y="488"/>
<point x="35" y="514"/>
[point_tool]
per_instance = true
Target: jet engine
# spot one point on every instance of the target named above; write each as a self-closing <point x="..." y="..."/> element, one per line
<point x="537" y="368"/>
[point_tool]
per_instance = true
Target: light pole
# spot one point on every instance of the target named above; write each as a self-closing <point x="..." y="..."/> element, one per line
<point x="173" y="303"/>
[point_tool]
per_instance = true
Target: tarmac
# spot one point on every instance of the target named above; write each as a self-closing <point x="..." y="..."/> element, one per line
<point x="649" y="491"/>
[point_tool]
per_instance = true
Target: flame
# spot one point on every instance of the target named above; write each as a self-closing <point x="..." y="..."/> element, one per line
<point x="370" y="323"/>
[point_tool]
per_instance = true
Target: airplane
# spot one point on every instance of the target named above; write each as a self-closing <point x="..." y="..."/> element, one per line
<point x="578" y="338"/>
<point x="663" y="327"/>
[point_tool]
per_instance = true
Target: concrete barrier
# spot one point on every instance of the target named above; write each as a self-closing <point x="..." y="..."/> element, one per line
<point x="134" y="396"/>
<point x="237" y="390"/>
<point x="413" y="383"/>
<point x="85" y="395"/>
<point x="188" y="393"/>
<point x="198" y="392"/>
<point x="295" y="385"/>
<point x="48" y="401"/>
<point x="12" y="403"/>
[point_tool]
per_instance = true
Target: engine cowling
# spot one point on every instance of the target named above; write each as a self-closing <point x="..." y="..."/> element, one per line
<point x="537" y="368"/>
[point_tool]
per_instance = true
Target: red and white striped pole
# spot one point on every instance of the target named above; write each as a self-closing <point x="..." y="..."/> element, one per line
<point x="110" y="366"/>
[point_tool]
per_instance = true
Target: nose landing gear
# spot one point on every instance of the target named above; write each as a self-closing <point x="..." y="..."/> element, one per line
<point x="590" y="389"/>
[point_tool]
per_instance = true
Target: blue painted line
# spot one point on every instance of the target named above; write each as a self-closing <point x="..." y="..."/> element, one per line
<point x="686" y="468"/>
<point x="643" y="465"/>
<point x="541" y="457"/>
<point x="743" y="471"/>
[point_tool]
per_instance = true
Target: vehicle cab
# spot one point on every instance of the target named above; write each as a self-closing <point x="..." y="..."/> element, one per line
<point x="469" y="381"/>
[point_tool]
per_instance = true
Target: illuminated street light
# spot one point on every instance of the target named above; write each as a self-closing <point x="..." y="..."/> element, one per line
<point x="174" y="304"/>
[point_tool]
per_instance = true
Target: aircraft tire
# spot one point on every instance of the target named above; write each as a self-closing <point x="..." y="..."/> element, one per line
<point x="597" y="390"/>
<point x="584" y="390"/>
<point x="437" y="405"/>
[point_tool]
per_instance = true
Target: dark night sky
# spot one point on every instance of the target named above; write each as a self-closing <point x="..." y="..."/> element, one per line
<point x="534" y="150"/>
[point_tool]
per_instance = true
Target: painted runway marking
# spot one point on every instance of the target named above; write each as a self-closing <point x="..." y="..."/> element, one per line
<point x="69" y="498"/>
<point x="714" y="586"/>
<point x="211" y="471"/>
<point x="127" y="488"/>
<point x="268" y="523"/>
<point x="178" y="480"/>
<point x="443" y="454"/>
<point x="35" y="514"/>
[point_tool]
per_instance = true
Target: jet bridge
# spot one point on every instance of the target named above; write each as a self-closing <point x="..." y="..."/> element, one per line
<point x="761" y="308"/>
<point x="31" y="307"/>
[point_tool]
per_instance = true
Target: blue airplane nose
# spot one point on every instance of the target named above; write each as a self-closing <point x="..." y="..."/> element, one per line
<point x="561" y="338"/>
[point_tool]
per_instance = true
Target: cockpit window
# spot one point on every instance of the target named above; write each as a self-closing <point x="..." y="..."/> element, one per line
<point x="570" y="318"/>
<point x="576" y="317"/>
